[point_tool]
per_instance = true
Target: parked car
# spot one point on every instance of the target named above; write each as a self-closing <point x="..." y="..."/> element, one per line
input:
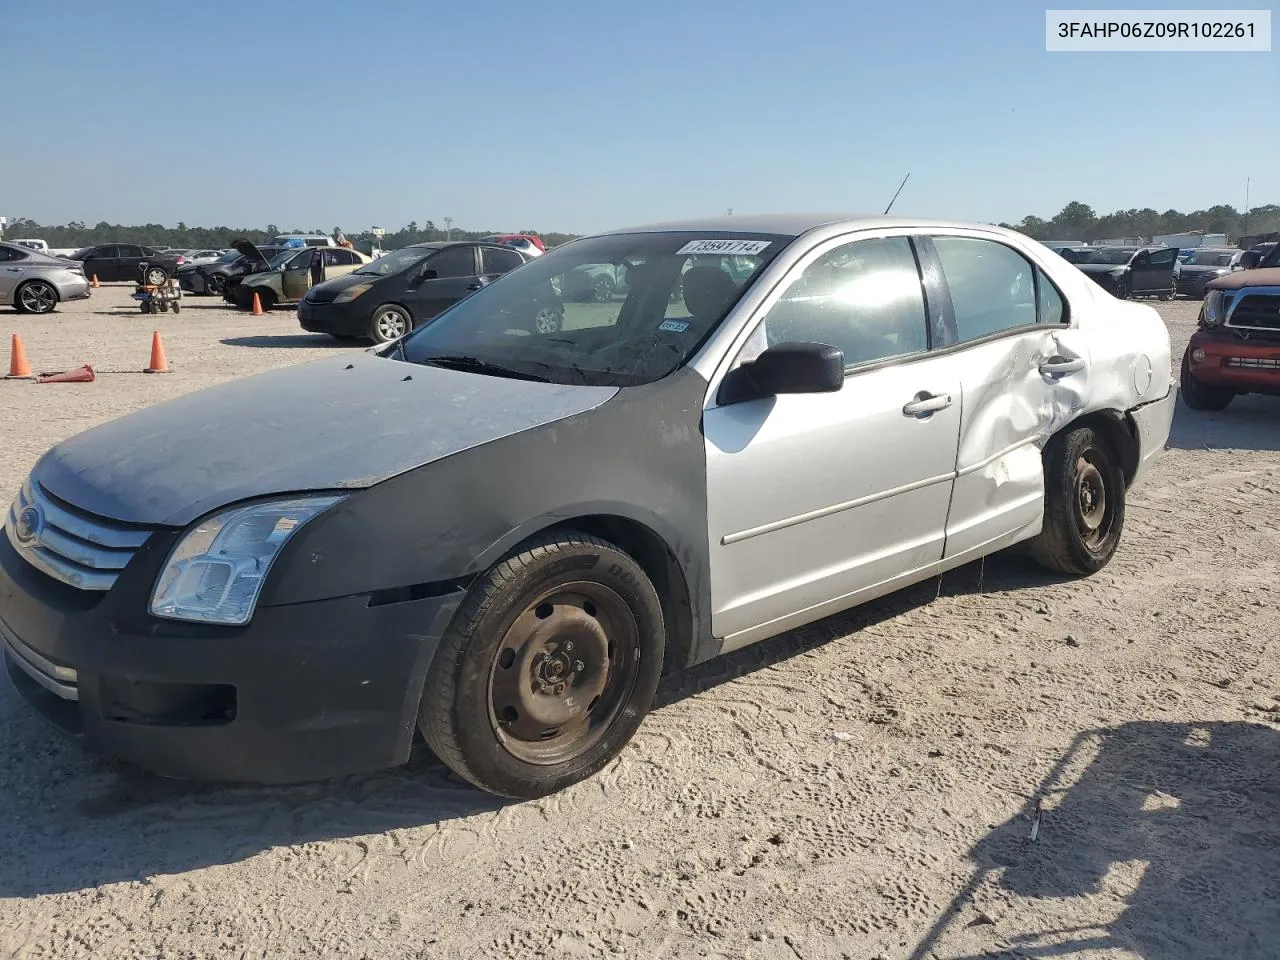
<point x="210" y="278"/>
<point x="202" y="256"/>
<point x="34" y="282"/>
<point x="1126" y="272"/>
<point x="301" y="240"/>
<point x="39" y="246"/>
<point x="290" y="274"/>
<point x="1204" y="264"/>
<point x="508" y="537"/>
<point x="123" y="261"/>
<point x="529" y="244"/>
<point x="1236" y="347"/>
<point x="386" y="298"/>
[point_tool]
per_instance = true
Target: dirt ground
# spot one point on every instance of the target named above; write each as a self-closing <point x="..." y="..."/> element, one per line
<point x="863" y="788"/>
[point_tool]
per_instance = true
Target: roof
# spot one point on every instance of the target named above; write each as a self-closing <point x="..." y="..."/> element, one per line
<point x="788" y="224"/>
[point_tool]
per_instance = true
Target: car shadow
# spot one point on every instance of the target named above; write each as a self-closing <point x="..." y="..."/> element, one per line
<point x="72" y="821"/>
<point x="293" y="340"/>
<point x="1249" y="423"/>
<point x="1173" y="828"/>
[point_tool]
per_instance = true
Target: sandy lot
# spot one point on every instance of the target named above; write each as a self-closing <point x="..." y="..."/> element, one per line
<point x="1139" y="708"/>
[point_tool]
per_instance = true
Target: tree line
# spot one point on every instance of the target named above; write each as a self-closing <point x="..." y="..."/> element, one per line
<point x="1077" y="221"/>
<point x="79" y="234"/>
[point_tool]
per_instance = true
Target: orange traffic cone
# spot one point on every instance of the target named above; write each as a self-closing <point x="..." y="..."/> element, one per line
<point x="19" y="369"/>
<point x="82" y="374"/>
<point x="257" y="304"/>
<point x="158" y="362"/>
<point x="94" y="281"/>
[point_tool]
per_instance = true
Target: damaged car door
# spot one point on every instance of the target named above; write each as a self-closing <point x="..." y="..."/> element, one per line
<point x="1024" y="374"/>
<point x="301" y="273"/>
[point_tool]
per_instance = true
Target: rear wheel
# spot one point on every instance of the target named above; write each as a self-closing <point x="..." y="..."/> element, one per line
<point x="1202" y="396"/>
<point x="548" y="668"/>
<point x="36" y="296"/>
<point x="389" y="323"/>
<point x="157" y="276"/>
<point x="1084" y="499"/>
<point x="548" y="319"/>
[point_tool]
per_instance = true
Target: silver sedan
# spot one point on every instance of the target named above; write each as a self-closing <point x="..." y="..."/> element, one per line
<point x="35" y="282"/>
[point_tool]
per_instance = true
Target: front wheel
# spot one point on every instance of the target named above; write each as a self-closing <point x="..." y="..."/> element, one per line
<point x="36" y="296"/>
<point x="548" y="319"/>
<point x="1084" y="497"/>
<point x="548" y="668"/>
<point x="213" y="285"/>
<point x="1202" y="396"/>
<point x="389" y="323"/>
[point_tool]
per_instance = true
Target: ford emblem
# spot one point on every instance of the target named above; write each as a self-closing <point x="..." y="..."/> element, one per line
<point x="30" y="521"/>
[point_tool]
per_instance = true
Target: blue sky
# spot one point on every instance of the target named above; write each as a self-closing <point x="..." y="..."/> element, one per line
<point x="579" y="116"/>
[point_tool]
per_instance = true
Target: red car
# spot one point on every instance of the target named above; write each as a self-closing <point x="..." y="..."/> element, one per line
<point x="527" y="243"/>
<point x="1236" y="349"/>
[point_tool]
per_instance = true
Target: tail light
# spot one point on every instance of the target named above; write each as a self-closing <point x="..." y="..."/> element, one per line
<point x="179" y="259"/>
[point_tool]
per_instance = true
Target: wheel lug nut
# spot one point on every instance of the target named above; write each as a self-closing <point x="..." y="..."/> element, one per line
<point x="578" y="666"/>
<point x="568" y="646"/>
<point x="559" y="688"/>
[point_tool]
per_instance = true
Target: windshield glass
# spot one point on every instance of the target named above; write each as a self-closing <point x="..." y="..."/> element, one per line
<point x="231" y="257"/>
<point x="280" y="259"/>
<point x="397" y="261"/>
<point x="1211" y="258"/>
<point x="615" y="310"/>
<point x="1104" y="255"/>
<point x="1270" y="254"/>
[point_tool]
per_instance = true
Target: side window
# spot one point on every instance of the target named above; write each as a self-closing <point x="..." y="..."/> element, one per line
<point x="105" y="251"/>
<point x="992" y="286"/>
<point x="1051" y="308"/>
<point x="7" y="254"/>
<point x="453" y="262"/>
<point x="494" y="260"/>
<point x="1164" y="258"/>
<point x="864" y="297"/>
<point x="129" y="250"/>
<point x="335" y="257"/>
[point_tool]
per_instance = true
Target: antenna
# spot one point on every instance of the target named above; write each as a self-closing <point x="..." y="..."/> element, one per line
<point x="895" y="196"/>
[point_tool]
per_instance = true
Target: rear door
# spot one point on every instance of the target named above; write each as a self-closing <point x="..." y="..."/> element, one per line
<point x="495" y="261"/>
<point x="129" y="259"/>
<point x="1021" y="364"/>
<point x="11" y="270"/>
<point x="442" y="280"/>
<point x="339" y="261"/>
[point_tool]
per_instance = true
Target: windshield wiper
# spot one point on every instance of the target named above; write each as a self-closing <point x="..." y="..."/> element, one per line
<point x="476" y="365"/>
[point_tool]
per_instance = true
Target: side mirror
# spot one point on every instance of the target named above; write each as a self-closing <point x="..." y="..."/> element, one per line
<point x="1250" y="259"/>
<point x="786" y="368"/>
<point x="431" y="273"/>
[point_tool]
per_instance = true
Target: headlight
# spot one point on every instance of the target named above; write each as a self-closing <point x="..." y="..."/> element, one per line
<point x="1215" y="307"/>
<point x="352" y="292"/>
<point x="216" y="571"/>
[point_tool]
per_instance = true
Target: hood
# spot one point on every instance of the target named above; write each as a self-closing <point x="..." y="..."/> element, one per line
<point x="1096" y="268"/>
<point x="251" y="251"/>
<point x="343" y="423"/>
<point x="1262" y="277"/>
<point x="326" y="291"/>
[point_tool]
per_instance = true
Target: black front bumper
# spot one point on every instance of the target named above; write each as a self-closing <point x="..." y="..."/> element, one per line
<point x="304" y="691"/>
<point x="191" y="281"/>
<point x="350" y="319"/>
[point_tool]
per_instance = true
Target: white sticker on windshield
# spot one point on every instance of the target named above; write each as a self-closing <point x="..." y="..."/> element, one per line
<point x="727" y="247"/>
<point x="674" y="326"/>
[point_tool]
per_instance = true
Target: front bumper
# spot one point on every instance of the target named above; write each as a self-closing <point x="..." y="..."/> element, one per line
<point x="1245" y="366"/>
<point x="350" y="319"/>
<point x="305" y="691"/>
<point x="191" y="281"/>
<point x="1153" y="421"/>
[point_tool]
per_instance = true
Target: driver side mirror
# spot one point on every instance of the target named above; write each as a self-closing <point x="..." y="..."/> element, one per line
<point x="431" y="273"/>
<point x="786" y="368"/>
<point x="1249" y="260"/>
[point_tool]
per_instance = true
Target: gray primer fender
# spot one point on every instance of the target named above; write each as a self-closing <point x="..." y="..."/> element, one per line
<point x="639" y="456"/>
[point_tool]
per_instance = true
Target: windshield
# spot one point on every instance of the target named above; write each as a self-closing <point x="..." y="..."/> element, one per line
<point x="397" y="261"/>
<point x="231" y="257"/>
<point x="282" y="258"/>
<point x="1103" y="255"/>
<point x="1211" y="258"/>
<point x="616" y="310"/>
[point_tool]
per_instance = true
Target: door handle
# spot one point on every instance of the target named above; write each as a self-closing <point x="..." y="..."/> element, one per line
<point x="926" y="404"/>
<point x="1057" y="366"/>
<point x="474" y="286"/>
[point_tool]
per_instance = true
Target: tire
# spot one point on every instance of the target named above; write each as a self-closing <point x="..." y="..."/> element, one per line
<point x="213" y="285"/>
<point x="1084" y="500"/>
<point x="1202" y="396"/>
<point x="177" y="306"/>
<point x="144" y="308"/>
<point x="156" y="276"/>
<point x="36" y="296"/>
<point x="502" y="703"/>
<point x="548" y="319"/>
<point x="389" y="322"/>
<point x="1125" y="292"/>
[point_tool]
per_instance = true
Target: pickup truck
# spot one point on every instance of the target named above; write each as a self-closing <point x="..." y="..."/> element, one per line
<point x="1236" y="348"/>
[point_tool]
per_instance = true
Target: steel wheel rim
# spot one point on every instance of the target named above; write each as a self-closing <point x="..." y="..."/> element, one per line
<point x="38" y="297"/>
<point x="391" y="325"/>
<point x="604" y="289"/>
<point x="547" y="321"/>
<point x="1095" y="512"/>
<point x="156" y="277"/>
<point x="563" y="671"/>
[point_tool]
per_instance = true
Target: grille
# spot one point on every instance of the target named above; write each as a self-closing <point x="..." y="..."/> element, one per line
<point x="78" y="548"/>
<point x="1259" y="312"/>
<point x="1253" y="363"/>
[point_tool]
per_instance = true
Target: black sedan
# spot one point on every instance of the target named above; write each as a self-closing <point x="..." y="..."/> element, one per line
<point x="123" y="261"/>
<point x="384" y="300"/>
<point x="1126" y="272"/>
<point x="211" y="278"/>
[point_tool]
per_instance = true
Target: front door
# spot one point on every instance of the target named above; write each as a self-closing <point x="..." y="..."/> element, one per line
<point x="300" y="273"/>
<point x="442" y="280"/>
<point x="103" y="263"/>
<point x="819" y="501"/>
<point x="1156" y="272"/>
<point x="1023" y="370"/>
<point x="129" y="262"/>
